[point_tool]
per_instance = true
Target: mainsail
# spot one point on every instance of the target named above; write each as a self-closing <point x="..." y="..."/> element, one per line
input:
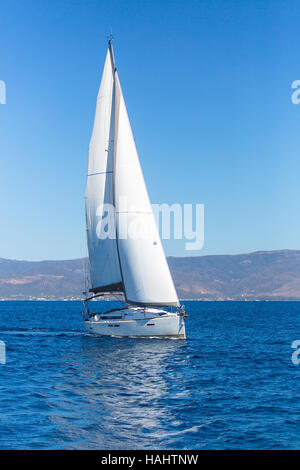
<point x="103" y="254"/>
<point x="133" y="260"/>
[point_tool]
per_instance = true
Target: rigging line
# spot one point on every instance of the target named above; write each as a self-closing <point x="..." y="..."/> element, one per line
<point x="99" y="173"/>
<point x="133" y="212"/>
<point x="85" y="274"/>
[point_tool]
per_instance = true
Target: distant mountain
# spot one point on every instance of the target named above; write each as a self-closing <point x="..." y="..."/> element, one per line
<point x="41" y="279"/>
<point x="260" y="275"/>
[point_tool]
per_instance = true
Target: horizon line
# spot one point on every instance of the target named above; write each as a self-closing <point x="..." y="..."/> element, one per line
<point x="283" y="250"/>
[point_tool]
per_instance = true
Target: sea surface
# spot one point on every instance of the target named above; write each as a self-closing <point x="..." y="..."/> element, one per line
<point x="230" y="385"/>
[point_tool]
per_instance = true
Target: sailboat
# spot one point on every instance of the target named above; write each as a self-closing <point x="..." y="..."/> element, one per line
<point x="126" y="256"/>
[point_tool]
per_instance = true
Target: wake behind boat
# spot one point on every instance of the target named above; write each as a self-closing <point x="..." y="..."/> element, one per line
<point x="125" y="252"/>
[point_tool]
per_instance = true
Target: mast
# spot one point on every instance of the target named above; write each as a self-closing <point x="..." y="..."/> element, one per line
<point x="104" y="262"/>
<point x="111" y="51"/>
<point x="116" y="102"/>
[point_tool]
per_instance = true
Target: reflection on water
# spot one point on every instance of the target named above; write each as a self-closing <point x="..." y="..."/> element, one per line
<point x="123" y="382"/>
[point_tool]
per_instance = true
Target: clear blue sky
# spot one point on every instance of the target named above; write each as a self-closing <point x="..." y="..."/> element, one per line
<point x="208" y="90"/>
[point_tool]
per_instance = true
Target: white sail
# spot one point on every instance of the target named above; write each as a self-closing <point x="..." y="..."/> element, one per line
<point x="103" y="255"/>
<point x="145" y="272"/>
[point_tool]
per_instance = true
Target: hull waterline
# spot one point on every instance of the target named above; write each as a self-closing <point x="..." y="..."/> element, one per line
<point x="138" y="323"/>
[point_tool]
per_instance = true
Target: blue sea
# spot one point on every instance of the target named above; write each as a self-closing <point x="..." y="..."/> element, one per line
<point x="230" y="385"/>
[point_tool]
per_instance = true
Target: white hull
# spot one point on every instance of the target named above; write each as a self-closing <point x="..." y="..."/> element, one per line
<point x="137" y="322"/>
